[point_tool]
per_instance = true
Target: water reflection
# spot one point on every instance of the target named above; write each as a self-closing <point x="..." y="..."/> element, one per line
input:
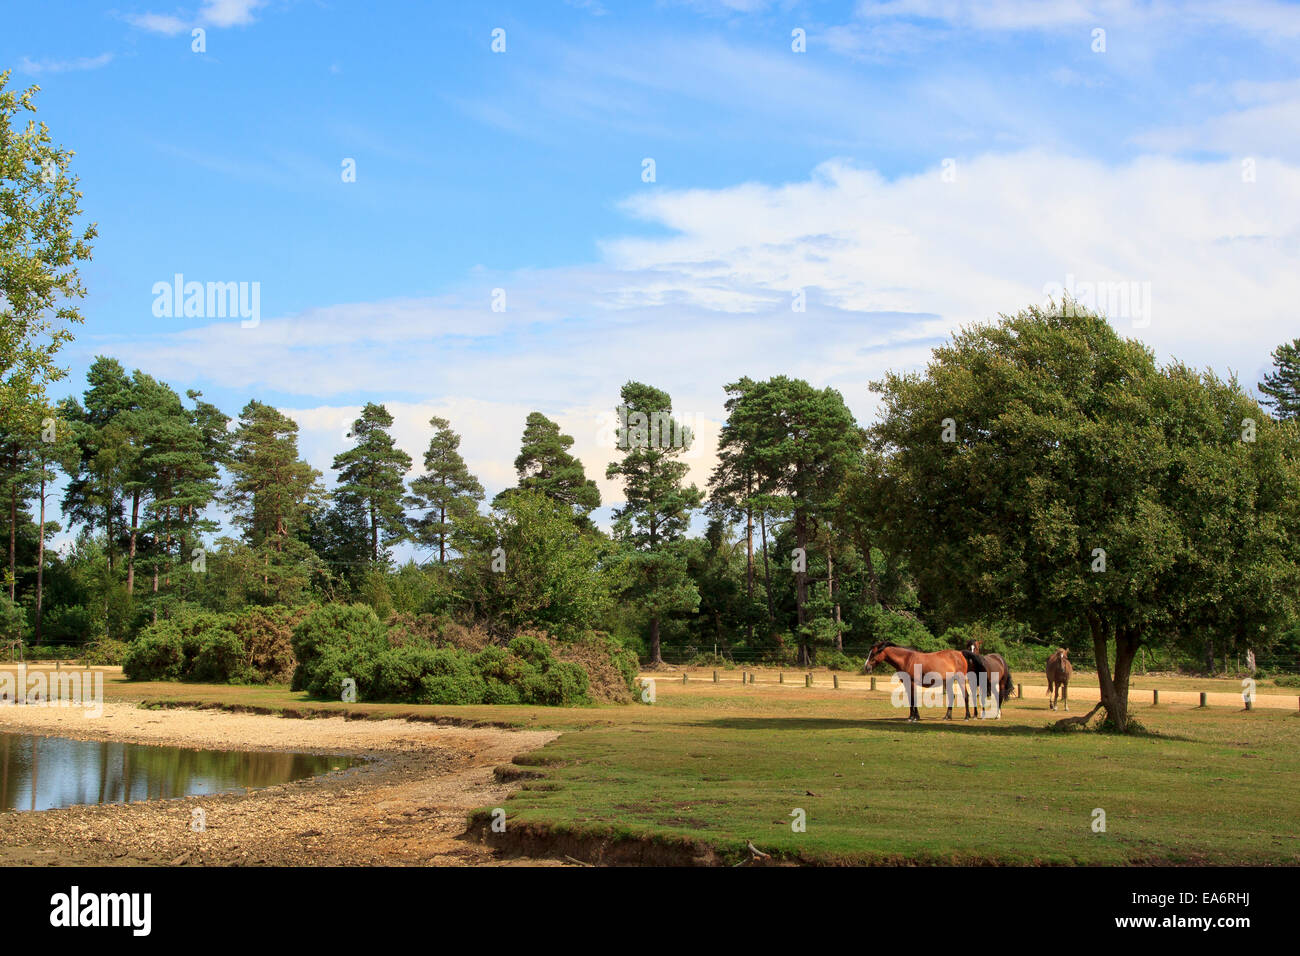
<point x="40" y="773"/>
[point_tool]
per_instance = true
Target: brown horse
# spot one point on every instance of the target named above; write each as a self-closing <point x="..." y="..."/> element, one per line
<point x="1058" y="677"/>
<point x="918" y="665"/>
<point x="999" y="679"/>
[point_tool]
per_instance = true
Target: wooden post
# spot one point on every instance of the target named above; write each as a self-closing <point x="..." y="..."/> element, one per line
<point x="873" y="683"/>
<point x="807" y="681"/>
<point x="744" y="678"/>
<point x="684" y="676"/>
<point x="715" y="677"/>
<point x="1155" y="698"/>
<point x="1020" y="691"/>
<point x="1248" y="703"/>
<point x="781" y="678"/>
<point x="836" y="679"/>
<point x="1204" y="697"/>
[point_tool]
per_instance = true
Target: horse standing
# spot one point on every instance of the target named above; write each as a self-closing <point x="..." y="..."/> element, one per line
<point x="916" y="664"/>
<point x="999" y="678"/>
<point x="1058" y="677"/>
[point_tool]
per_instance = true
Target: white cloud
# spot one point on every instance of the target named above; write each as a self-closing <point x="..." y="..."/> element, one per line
<point x="37" y="67"/>
<point x="229" y="13"/>
<point x="158" y="23"/>
<point x="211" y="13"/>
<point x="888" y="268"/>
<point x="1263" y="17"/>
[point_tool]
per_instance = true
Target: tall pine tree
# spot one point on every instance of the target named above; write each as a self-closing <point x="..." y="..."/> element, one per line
<point x="447" y="493"/>
<point x="656" y="515"/>
<point x="372" y="473"/>
<point x="544" y="464"/>
<point x="1281" y="386"/>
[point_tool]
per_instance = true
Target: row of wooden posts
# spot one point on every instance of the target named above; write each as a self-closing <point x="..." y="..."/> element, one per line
<point x="748" y="678"/>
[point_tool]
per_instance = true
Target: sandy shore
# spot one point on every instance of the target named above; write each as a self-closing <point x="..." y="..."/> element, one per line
<point x="406" y="805"/>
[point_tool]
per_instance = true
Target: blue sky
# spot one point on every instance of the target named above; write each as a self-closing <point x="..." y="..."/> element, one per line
<point x="775" y="171"/>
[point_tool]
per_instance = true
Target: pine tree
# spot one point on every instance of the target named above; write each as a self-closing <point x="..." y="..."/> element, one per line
<point x="446" y="492"/>
<point x="656" y="515"/>
<point x="177" y="464"/>
<point x="1282" y="385"/>
<point x="272" y="490"/>
<point x="805" y="442"/>
<point x="94" y="497"/>
<point x="544" y="464"/>
<point x="372" y="472"/>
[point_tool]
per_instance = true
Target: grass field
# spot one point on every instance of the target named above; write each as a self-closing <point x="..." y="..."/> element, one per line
<point x="725" y="764"/>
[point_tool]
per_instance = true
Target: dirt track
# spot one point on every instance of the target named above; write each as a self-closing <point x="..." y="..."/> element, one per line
<point x="406" y="805"/>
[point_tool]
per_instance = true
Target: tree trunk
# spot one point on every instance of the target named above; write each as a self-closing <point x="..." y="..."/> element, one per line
<point x="40" y="559"/>
<point x="1114" y="689"/>
<point x="374" y="536"/>
<point x="13" y="538"/>
<point x="749" y="566"/>
<point x="655" y="658"/>
<point x="442" y="536"/>
<point x="767" y="572"/>
<point x="130" y="555"/>
<point x="801" y="584"/>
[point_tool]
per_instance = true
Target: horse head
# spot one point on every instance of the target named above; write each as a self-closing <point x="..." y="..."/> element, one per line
<point x="877" y="653"/>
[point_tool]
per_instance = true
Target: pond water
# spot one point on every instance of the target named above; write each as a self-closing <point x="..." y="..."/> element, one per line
<point x="41" y="773"/>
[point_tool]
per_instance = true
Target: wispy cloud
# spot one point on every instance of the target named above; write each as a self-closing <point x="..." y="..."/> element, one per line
<point x="164" y="23"/>
<point x="212" y="13"/>
<point x="38" y="67"/>
<point x="1261" y="17"/>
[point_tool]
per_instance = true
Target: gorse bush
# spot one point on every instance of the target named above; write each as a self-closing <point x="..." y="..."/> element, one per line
<point x="250" y="648"/>
<point x="411" y="661"/>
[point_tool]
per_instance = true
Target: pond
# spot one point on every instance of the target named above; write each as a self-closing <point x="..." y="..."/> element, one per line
<point x="41" y="773"/>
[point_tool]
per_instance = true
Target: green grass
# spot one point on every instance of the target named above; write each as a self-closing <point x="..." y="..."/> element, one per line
<point x="1209" y="787"/>
<point x="723" y="764"/>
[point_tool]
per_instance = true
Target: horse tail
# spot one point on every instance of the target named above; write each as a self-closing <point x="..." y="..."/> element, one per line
<point x="1004" y="690"/>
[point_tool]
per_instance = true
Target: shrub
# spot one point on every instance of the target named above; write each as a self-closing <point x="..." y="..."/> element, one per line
<point x="106" y="653"/>
<point x="334" y="642"/>
<point x="13" y="620"/>
<point x="266" y="634"/>
<point x="157" y="654"/>
<point x="219" y="659"/>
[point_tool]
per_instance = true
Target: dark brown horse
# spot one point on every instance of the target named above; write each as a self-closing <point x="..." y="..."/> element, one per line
<point x="917" y="666"/>
<point x="1058" y="677"/>
<point x="999" y="678"/>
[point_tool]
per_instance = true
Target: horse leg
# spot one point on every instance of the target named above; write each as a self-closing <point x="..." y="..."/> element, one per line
<point x="947" y="693"/>
<point x="1065" y="695"/>
<point x="1051" y="693"/>
<point x="965" y="697"/>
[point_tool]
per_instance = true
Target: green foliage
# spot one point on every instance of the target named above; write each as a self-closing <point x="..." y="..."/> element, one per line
<point x="533" y="566"/>
<point x="1281" y="386"/>
<point x="40" y="248"/>
<point x="371" y="475"/>
<point x="339" y="642"/>
<point x="447" y="494"/>
<point x="544" y="465"/>
<point x="13" y="620"/>
<point x="158" y="653"/>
